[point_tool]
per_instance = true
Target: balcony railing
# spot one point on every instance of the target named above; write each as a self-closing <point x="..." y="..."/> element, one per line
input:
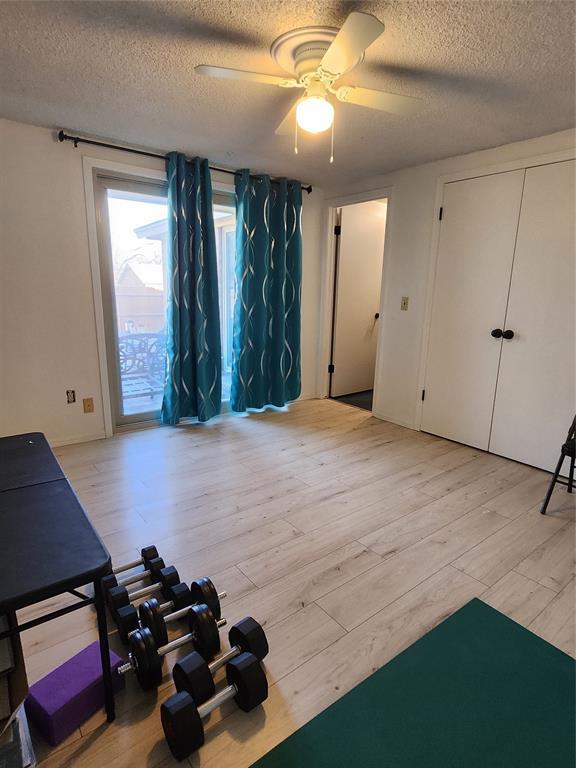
<point x="142" y="358"/>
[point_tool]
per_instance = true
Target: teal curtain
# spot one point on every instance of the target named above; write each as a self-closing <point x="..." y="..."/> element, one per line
<point x="266" y="360"/>
<point x="193" y="384"/>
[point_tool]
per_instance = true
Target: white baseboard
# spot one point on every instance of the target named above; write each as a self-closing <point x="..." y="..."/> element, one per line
<point x="308" y="396"/>
<point x="139" y="426"/>
<point x="78" y="439"/>
<point x="394" y="420"/>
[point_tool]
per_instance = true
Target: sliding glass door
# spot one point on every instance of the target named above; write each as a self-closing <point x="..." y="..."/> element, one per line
<point x="132" y="220"/>
<point x="133" y="242"/>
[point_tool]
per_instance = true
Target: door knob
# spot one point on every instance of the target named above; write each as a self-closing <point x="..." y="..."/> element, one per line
<point x="377" y="315"/>
<point x="508" y="335"/>
<point x="497" y="333"/>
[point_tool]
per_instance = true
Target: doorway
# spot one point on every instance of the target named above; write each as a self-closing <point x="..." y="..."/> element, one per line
<point x="358" y="263"/>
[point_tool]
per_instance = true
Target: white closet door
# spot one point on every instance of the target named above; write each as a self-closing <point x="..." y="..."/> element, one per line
<point x="535" y="394"/>
<point x="476" y="248"/>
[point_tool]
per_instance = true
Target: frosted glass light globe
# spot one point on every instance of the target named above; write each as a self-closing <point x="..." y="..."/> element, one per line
<point x="314" y="114"/>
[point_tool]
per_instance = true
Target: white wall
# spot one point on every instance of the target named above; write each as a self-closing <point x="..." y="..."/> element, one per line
<point x="47" y="322"/>
<point x="411" y="219"/>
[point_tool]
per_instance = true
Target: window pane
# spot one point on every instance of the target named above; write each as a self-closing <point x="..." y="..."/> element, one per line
<point x="225" y="225"/>
<point x="138" y="235"/>
<point x="230" y="293"/>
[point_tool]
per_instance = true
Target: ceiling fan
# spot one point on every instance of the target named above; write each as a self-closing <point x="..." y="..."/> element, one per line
<point x="317" y="57"/>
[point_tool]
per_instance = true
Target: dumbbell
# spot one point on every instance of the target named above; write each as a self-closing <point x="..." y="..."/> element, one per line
<point x="145" y="657"/>
<point x="195" y="676"/>
<point x="182" y="718"/>
<point x="155" y="616"/>
<point x="113" y="587"/>
<point x="147" y="554"/>
<point x="163" y="577"/>
<point x="125" y="614"/>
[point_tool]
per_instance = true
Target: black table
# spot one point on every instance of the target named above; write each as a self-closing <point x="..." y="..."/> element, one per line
<point x="27" y="460"/>
<point x="48" y="545"/>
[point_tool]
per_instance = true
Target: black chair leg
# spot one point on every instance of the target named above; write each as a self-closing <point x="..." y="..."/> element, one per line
<point x="571" y="475"/>
<point x="552" y="484"/>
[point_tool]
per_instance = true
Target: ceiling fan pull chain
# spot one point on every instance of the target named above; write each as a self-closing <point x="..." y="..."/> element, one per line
<point x="332" y="144"/>
<point x="295" y="137"/>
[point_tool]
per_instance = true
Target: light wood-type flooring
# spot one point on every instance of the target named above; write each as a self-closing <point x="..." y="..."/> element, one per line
<point x="347" y="537"/>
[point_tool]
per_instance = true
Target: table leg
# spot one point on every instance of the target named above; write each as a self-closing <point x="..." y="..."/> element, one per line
<point x="104" y="651"/>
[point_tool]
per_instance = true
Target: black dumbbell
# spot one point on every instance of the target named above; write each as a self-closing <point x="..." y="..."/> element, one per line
<point x="147" y="554"/>
<point x="164" y="578"/>
<point x="155" y="616"/>
<point x="145" y="657"/>
<point x="114" y="587"/>
<point x="195" y="676"/>
<point x="127" y="616"/>
<point x="182" y="718"/>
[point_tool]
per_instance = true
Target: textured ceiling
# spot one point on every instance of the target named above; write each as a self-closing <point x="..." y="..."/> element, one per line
<point x="489" y="72"/>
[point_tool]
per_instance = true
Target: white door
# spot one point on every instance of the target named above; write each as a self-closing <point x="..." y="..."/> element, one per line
<point x="478" y="230"/>
<point x="535" y="394"/>
<point x="359" y="276"/>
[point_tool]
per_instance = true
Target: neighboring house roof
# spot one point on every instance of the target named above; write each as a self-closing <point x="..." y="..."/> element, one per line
<point x="149" y="275"/>
<point x="155" y="230"/>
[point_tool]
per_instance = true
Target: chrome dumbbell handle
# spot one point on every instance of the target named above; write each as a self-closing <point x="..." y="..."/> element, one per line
<point x="171" y="646"/>
<point x="134" y="578"/>
<point x="145" y="591"/>
<point x="222" y="660"/>
<point x="179" y="614"/>
<point x="128" y="566"/>
<point x="217" y="700"/>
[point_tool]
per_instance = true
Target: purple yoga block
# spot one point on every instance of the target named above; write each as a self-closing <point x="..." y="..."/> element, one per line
<point x="70" y="694"/>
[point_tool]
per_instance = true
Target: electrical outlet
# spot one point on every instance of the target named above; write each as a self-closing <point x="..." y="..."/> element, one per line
<point x="88" y="403"/>
<point x="70" y="396"/>
<point x="404" y="304"/>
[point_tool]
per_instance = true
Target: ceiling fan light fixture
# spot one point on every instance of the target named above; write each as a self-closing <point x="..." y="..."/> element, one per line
<point x="314" y="114"/>
<point x="316" y="58"/>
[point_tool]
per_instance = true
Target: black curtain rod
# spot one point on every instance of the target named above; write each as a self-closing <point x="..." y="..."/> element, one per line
<point x="78" y="140"/>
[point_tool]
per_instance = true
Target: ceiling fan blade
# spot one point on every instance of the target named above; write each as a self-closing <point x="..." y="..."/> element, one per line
<point x="287" y="126"/>
<point x="357" y="33"/>
<point x="386" y="102"/>
<point x="240" y="74"/>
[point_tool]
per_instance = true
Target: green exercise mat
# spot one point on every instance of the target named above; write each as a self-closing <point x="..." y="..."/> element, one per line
<point x="478" y="691"/>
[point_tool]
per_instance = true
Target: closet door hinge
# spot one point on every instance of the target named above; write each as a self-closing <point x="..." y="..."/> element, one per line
<point x="423" y="394"/>
<point x="440" y="212"/>
<point x="337" y="229"/>
<point x="331" y="368"/>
